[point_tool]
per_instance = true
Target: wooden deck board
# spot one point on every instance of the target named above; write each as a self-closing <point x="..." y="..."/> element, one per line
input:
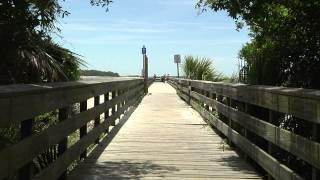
<point x="164" y="138"/>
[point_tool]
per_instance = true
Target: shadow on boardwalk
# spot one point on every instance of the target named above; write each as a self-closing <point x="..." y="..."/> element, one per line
<point x="118" y="170"/>
<point x="126" y="170"/>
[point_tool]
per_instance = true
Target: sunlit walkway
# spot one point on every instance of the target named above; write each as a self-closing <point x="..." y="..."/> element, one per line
<point x="164" y="138"/>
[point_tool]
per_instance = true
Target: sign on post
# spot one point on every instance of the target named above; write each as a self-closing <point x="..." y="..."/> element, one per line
<point x="177" y="58"/>
<point x="144" y="50"/>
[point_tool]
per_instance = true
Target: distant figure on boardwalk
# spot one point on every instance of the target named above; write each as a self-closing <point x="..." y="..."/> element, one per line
<point x="163" y="78"/>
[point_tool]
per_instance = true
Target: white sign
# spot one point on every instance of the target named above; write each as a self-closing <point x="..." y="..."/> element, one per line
<point x="177" y="58"/>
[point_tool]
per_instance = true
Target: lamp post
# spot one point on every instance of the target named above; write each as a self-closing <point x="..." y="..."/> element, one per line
<point x="145" y="68"/>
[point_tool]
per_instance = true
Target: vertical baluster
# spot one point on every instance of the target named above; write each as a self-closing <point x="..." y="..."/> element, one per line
<point x="214" y="98"/>
<point x="64" y="114"/>
<point x="189" y="92"/>
<point x="315" y="137"/>
<point x="119" y="102"/>
<point x="106" y="113"/>
<point x="125" y="99"/>
<point x="120" y="92"/>
<point x="229" y="103"/>
<point x="207" y="94"/>
<point x="97" y="118"/>
<point x="271" y="119"/>
<point x="25" y="173"/>
<point x="112" y="123"/>
<point x="84" y="128"/>
<point x="245" y="133"/>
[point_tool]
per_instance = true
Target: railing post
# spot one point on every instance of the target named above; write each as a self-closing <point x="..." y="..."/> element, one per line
<point x="106" y="113"/>
<point x="97" y="119"/>
<point x="229" y="103"/>
<point x="230" y="124"/>
<point x="113" y="95"/>
<point x="315" y="137"/>
<point x="122" y="101"/>
<point x="120" y="92"/>
<point x="245" y="133"/>
<point x="189" y="92"/>
<point x="145" y="74"/>
<point x="270" y="146"/>
<point x="207" y="94"/>
<point x="25" y="173"/>
<point x="64" y="114"/>
<point x="84" y="128"/>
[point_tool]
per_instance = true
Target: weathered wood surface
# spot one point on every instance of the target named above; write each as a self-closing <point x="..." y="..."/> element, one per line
<point x="17" y="157"/>
<point x="302" y="103"/>
<point x="46" y="97"/>
<point x="39" y="142"/>
<point x="164" y="138"/>
<point x="270" y="164"/>
<point x="302" y="147"/>
<point x="234" y="120"/>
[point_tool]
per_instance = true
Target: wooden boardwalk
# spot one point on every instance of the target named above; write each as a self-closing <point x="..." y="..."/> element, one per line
<point x="163" y="138"/>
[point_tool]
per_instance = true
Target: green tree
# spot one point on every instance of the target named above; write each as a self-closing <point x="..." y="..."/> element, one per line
<point x="28" y="54"/>
<point x="285" y="39"/>
<point x="284" y="50"/>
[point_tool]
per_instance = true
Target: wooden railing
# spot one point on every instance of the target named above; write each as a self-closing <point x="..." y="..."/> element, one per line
<point x="256" y="120"/>
<point x="21" y="106"/>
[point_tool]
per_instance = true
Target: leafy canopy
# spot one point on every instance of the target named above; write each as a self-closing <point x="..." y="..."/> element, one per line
<point x="285" y="46"/>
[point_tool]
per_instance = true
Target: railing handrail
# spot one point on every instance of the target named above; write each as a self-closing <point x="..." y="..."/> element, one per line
<point x="36" y="88"/>
<point x="33" y="99"/>
<point x="232" y="101"/>
<point x="21" y="104"/>
<point x="289" y="91"/>
<point x="286" y="100"/>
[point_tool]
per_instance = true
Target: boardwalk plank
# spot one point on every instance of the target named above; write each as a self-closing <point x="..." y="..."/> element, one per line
<point x="164" y="138"/>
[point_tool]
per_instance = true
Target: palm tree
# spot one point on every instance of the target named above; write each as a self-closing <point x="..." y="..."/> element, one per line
<point x="190" y="66"/>
<point x="200" y="69"/>
<point x="28" y="53"/>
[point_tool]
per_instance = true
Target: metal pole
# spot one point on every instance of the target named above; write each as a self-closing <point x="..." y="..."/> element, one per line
<point x="144" y="65"/>
<point x="145" y="60"/>
<point x="178" y="69"/>
<point x="145" y="68"/>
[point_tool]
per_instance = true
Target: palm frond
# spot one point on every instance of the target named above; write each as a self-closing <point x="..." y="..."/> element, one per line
<point x="199" y="68"/>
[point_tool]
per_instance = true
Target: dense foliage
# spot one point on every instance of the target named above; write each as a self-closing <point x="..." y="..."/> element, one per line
<point x="285" y="46"/>
<point x="28" y="53"/>
<point x="98" y="73"/>
<point x="284" y="50"/>
<point x="200" y="69"/>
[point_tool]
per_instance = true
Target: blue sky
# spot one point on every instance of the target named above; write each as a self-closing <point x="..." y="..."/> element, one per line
<point x="112" y="40"/>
